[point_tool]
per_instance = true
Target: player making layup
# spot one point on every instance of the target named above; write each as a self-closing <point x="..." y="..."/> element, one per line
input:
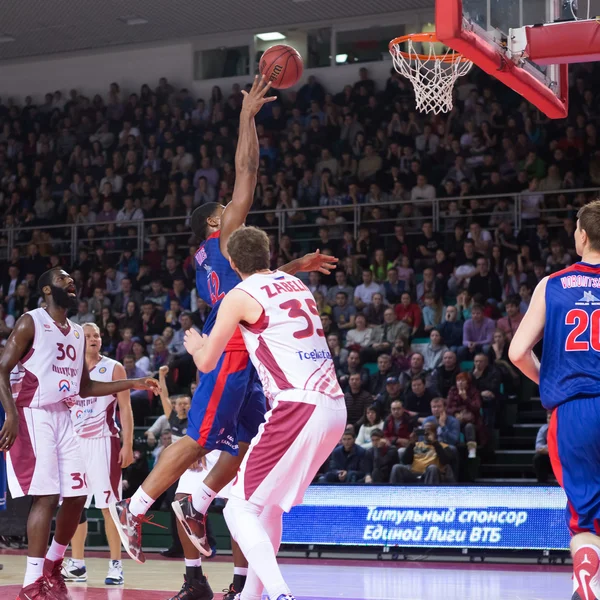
<point x="281" y="328"/>
<point x="98" y="435"/>
<point x="41" y="369"/>
<point x="565" y="309"/>
<point x="228" y="405"/>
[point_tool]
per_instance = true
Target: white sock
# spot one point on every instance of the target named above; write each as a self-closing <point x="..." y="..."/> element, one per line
<point x="240" y="571"/>
<point x="35" y="568"/>
<point x="202" y="498"/>
<point x="193" y="562"/>
<point x="253" y="531"/>
<point x="140" y="503"/>
<point x="78" y="563"/>
<point x="56" y="551"/>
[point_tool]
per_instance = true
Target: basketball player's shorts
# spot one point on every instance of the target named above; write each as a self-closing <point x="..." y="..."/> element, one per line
<point x="2" y="469"/>
<point x="104" y="479"/>
<point x="46" y="458"/>
<point x="297" y="437"/>
<point x="190" y="481"/>
<point x="574" y="449"/>
<point x="228" y="405"/>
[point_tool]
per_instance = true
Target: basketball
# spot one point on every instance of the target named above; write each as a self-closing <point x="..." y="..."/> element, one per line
<point x="281" y="65"/>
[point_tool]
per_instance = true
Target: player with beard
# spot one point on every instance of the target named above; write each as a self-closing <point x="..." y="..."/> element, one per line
<point x="41" y="370"/>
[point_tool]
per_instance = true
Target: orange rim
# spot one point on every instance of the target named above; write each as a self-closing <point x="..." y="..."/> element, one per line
<point x="451" y="57"/>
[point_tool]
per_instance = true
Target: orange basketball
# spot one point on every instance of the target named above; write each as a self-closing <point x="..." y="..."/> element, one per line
<point x="281" y="65"/>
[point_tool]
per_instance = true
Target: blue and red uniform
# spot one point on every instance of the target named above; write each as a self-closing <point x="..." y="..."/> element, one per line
<point x="228" y="405"/>
<point x="570" y="387"/>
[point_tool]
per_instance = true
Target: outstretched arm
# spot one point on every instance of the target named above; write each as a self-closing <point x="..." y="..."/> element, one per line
<point x="529" y="333"/>
<point x="236" y="307"/>
<point x="315" y="261"/>
<point x="17" y="345"/>
<point x="126" y="418"/>
<point x="246" y="162"/>
<point x="164" y="392"/>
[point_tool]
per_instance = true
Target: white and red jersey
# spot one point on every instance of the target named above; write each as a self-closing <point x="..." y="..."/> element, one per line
<point x="51" y="371"/>
<point x="287" y="345"/>
<point x="95" y="417"/>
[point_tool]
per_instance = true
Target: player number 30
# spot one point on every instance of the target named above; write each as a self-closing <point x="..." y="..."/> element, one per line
<point x="65" y="352"/>
<point x="585" y="332"/>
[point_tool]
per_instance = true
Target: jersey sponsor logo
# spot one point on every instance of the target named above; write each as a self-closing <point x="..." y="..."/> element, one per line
<point x="577" y="281"/>
<point x="80" y="414"/>
<point x="47" y="327"/>
<point x="587" y="299"/>
<point x="76" y="334"/>
<point x="201" y="256"/>
<point x="69" y="371"/>
<point x="64" y="386"/>
<point x="102" y="370"/>
<point x="284" y="287"/>
<point x="314" y="355"/>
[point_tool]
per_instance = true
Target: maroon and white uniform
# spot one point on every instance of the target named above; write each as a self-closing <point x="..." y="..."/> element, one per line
<point x="46" y="457"/>
<point x="96" y="428"/>
<point x="308" y="414"/>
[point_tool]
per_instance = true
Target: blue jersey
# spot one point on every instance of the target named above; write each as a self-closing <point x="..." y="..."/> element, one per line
<point x="570" y="367"/>
<point x="214" y="279"/>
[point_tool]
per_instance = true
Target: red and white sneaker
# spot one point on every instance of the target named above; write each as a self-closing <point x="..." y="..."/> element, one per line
<point x="130" y="528"/>
<point x="585" y="569"/>
<point x="53" y="574"/>
<point x="38" y="590"/>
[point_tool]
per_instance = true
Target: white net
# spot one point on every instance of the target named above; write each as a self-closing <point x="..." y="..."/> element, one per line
<point x="432" y="75"/>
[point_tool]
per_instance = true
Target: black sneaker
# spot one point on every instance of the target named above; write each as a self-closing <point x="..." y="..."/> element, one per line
<point x="194" y="589"/>
<point x="193" y="523"/>
<point x="231" y="593"/>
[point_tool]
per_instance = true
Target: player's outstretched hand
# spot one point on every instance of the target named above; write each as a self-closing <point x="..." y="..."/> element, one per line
<point x="255" y="98"/>
<point x="315" y="261"/>
<point x="146" y="383"/>
<point x="194" y="341"/>
<point x="9" y="431"/>
<point x="163" y="371"/>
<point x="125" y="457"/>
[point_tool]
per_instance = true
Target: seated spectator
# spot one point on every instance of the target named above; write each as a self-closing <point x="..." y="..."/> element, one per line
<point x="444" y="377"/>
<point x="176" y="414"/>
<point x="478" y="334"/>
<point x="425" y="460"/>
<point x="347" y="463"/>
<point x="380" y="459"/>
<point x="341" y="285"/>
<point x="418" y="398"/>
<point x="385" y="336"/>
<point x="314" y="283"/>
<point x="322" y="306"/>
<point x="448" y="427"/>
<point x="359" y="338"/>
<point x="339" y="355"/>
<point x="83" y="314"/>
<point x="406" y="274"/>
<point x="541" y="460"/>
<point x="430" y="284"/>
<point x="131" y="319"/>
<point x="393" y="287"/>
<point x="353" y="365"/>
<point x="124" y="296"/>
<point x="391" y="393"/>
<point x="357" y="401"/>
<point x="401" y="353"/>
<point x="374" y="312"/>
<point x="380" y="266"/>
<point x="451" y="329"/>
<point x="125" y="347"/>
<point x="111" y="338"/>
<point x="155" y="431"/>
<point x="398" y="426"/>
<point x="427" y="244"/>
<point x="363" y="294"/>
<point x="373" y="421"/>
<point x="166" y="440"/>
<point x="487" y="379"/>
<point x="179" y="292"/>
<point x="160" y="355"/>
<point x="511" y="322"/>
<point x="98" y="301"/>
<point x="558" y="258"/>
<point x="434" y="351"/>
<point x="432" y="312"/>
<point x="153" y="321"/>
<point x="464" y="403"/>
<point x="415" y="369"/>
<point x="384" y="370"/>
<point x="408" y="312"/>
<point x="142" y="362"/>
<point x="486" y="282"/>
<point x="344" y="313"/>
<point x="157" y="294"/>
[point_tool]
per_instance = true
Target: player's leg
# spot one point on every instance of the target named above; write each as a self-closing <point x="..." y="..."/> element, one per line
<point x="38" y="532"/>
<point x="575" y="453"/>
<point x="74" y="570"/>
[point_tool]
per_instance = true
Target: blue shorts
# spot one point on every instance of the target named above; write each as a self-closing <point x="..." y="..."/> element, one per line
<point x="574" y="449"/>
<point x="228" y="405"/>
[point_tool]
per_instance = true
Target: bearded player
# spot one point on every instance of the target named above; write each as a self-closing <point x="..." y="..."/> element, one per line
<point x="565" y="309"/>
<point x="228" y="405"/>
<point x="42" y="368"/>
<point x="98" y="434"/>
<point x="280" y="324"/>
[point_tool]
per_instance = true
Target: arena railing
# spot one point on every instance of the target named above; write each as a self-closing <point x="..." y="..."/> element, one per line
<point x="67" y="239"/>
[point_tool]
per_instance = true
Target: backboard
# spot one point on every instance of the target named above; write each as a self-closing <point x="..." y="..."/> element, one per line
<point x="484" y="31"/>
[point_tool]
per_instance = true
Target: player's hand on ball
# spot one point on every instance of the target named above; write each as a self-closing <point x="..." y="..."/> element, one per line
<point x="315" y="261"/>
<point x="255" y="98"/>
<point x="125" y="457"/>
<point x="194" y="341"/>
<point x="146" y="383"/>
<point x="9" y="431"/>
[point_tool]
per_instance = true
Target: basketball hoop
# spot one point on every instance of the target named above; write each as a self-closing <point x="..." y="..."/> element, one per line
<point x="432" y="74"/>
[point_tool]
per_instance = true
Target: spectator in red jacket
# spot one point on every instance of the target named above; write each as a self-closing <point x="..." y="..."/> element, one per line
<point x="409" y="312"/>
<point x="464" y="403"/>
<point x="398" y="426"/>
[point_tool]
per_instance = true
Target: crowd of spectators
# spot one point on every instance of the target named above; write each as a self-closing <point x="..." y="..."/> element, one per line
<point x="418" y="318"/>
